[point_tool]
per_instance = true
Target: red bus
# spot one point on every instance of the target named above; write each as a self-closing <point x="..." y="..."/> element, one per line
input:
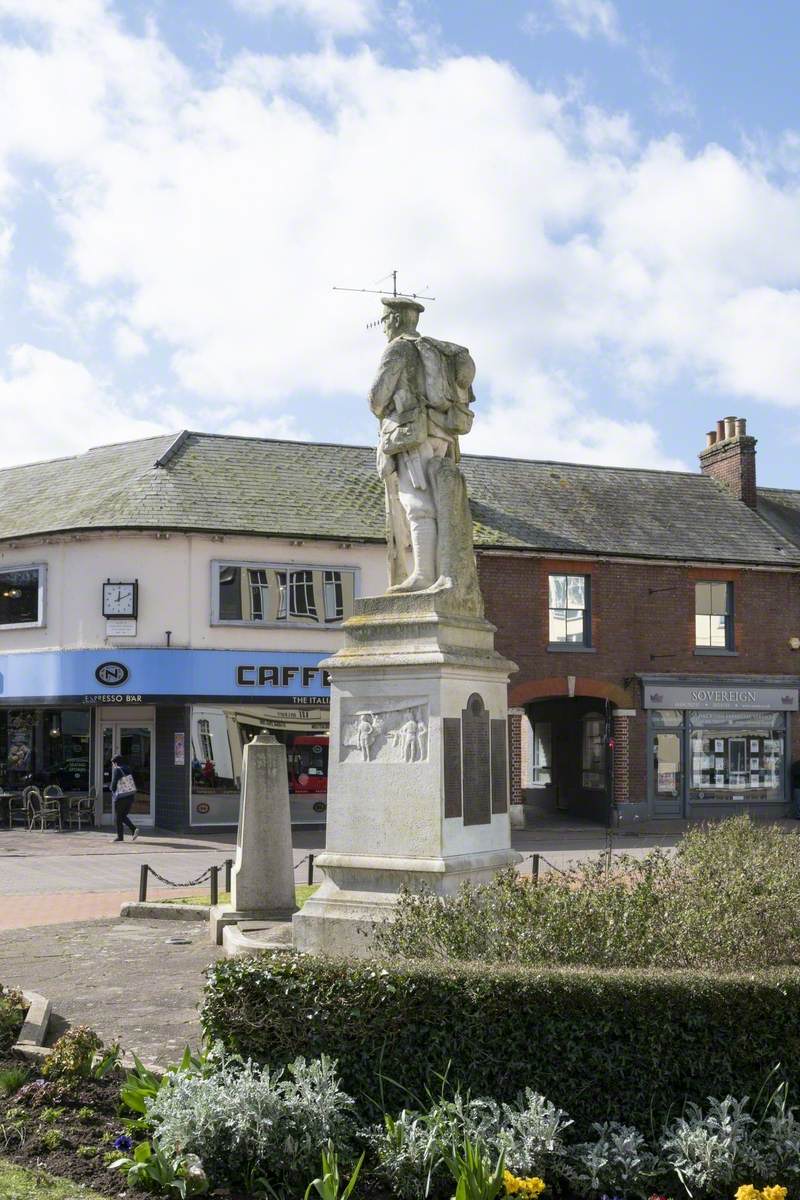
<point x="307" y="760"/>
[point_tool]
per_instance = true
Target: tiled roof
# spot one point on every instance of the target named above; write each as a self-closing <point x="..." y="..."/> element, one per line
<point x="781" y="508"/>
<point x="224" y="484"/>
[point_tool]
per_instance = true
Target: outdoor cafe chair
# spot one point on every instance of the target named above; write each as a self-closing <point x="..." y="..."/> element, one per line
<point x="81" y="808"/>
<point x="17" y="809"/>
<point x="42" y="811"/>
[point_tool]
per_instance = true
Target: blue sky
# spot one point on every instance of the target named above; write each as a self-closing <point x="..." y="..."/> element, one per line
<point x="603" y="197"/>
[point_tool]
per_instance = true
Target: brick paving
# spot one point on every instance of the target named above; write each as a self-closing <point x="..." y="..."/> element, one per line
<point x="25" y="912"/>
<point x="124" y="978"/>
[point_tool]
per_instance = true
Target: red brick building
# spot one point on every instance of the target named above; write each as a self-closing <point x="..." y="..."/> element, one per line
<point x="655" y="619"/>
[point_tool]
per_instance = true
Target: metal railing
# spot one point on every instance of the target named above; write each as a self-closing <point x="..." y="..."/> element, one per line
<point x="211" y="874"/>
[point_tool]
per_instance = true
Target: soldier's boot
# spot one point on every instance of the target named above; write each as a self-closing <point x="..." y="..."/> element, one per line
<point x="423" y="543"/>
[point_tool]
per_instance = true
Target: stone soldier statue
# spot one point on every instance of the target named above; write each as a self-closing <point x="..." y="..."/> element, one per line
<point x="421" y="396"/>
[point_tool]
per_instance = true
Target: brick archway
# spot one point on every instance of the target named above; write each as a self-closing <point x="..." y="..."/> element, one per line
<point x="555" y="686"/>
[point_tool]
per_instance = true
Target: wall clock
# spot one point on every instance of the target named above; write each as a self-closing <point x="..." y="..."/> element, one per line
<point x="120" y="599"/>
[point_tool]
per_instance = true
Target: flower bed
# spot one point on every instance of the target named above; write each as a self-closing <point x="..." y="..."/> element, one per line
<point x="216" y="1123"/>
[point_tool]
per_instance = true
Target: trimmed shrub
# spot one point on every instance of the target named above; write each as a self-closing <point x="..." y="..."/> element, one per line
<point x="626" y="1046"/>
<point x="727" y="899"/>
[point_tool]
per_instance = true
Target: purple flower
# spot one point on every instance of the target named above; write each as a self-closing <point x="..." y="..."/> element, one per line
<point x="124" y="1143"/>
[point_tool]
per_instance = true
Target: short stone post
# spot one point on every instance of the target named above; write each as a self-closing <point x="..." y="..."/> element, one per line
<point x="262" y="883"/>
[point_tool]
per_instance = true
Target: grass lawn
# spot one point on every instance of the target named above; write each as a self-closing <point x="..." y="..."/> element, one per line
<point x="18" y="1183"/>
<point x="301" y="894"/>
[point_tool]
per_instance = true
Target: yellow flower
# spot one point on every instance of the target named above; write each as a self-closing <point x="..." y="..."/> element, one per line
<point x="748" y="1192"/>
<point x="774" y="1193"/>
<point x="532" y="1187"/>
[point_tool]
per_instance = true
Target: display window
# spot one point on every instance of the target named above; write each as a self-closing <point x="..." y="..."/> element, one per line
<point x="45" y="746"/>
<point x="716" y="757"/>
<point x="740" y="755"/>
<point x="219" y="735"/>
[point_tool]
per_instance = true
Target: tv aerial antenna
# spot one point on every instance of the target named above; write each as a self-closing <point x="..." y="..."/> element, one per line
<point x="383" y="292"/>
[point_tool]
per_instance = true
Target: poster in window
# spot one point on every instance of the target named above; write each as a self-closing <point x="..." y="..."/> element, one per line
<point x="667" y="781"/>
<point x="719" y="764"/>
<point x="180" y="749"/>
<point x="754" y="746"/>
<point x="754" y="764"/>
<point x="719" y="746"/>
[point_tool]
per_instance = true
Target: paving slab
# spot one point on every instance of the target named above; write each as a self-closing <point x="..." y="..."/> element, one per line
<point x="124" y="978"/>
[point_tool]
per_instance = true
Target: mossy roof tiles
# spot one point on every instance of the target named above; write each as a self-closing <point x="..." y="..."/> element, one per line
<point x="222" y="484"/>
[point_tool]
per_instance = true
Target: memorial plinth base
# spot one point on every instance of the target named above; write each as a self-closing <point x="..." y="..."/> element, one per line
<point x="418" y="771"/>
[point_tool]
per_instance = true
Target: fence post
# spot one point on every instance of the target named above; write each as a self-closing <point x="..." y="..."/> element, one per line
<point x="214" y="881"/>
<point x="143" y="883"/>
<point x="228" y="868"/>
<point x="535" y="868"/>
<point x="310" y="869"/>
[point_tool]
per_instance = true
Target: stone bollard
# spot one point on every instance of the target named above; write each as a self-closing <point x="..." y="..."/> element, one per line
<point x="262" y="885"/>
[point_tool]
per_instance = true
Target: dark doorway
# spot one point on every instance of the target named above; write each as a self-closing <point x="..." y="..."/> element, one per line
<point x="571" y="768"/>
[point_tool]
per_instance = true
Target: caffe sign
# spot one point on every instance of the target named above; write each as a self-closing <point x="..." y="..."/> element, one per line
<point x="722" y="698"/>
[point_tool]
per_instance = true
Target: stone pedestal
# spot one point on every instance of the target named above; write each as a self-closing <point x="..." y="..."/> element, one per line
<point x="418" y="773"/>
<point x="262" y="881"/>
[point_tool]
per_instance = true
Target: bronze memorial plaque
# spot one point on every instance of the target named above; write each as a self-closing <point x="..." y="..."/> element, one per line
<point x="451" y="739"/>
<point x="499" y="766"/>
<point x="475" y="762"/>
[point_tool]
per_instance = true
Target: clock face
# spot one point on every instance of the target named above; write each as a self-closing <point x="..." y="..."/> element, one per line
<point x="119" y="599"/>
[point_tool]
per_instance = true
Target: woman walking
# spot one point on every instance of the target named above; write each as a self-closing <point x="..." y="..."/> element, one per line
<point x="123" y="793"/>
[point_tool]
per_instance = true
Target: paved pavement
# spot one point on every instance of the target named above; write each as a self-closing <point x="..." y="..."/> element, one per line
<point x="124" y="978"/>
<point x="49" y="878"/>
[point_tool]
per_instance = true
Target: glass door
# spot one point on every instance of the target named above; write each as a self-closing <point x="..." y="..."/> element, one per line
<point x="135" y="743"/>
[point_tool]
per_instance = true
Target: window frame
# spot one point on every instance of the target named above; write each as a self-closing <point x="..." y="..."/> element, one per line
<point x="730" y="627"/>
<point x="586" y="643"/>
<point x="594" y="716"/>
<point x="41" y="567"/>
<point x="537" y="768"/>
<point x="289" y="621"/>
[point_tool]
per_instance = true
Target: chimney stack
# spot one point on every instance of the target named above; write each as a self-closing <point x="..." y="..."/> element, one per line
<point x="730" y="458"/>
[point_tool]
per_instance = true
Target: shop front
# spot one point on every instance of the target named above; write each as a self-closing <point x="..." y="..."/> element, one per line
<point x="717" y="748"/>
<point x="180" y="719"/>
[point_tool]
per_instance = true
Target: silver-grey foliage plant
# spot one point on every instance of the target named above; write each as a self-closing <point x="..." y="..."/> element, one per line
<point x="245" y="1121"/>
<point x="411" y="1149"/>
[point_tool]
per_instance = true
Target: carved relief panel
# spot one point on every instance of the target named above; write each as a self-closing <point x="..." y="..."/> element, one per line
<point x="389" y="731"/>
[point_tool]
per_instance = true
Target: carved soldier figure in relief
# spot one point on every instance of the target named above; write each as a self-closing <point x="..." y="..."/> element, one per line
<point x="421" y="396"/>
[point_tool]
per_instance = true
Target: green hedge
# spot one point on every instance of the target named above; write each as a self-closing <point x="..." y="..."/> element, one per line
<point x="617" y="1045"/>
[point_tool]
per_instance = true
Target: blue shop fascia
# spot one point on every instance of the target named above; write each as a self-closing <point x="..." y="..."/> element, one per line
<point x="181" y="718"/>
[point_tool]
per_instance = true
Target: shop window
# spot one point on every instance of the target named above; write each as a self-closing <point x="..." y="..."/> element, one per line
<point x="713" y="604"/>
<point x="45" y="746"/>
<point x="594" y="751"/>
<point x="737" y="756"/>
<point x="542" y="744"/>
<point x="22" y="596"/>
<point x="260" y="593"/>
<point x="569" y="618"/>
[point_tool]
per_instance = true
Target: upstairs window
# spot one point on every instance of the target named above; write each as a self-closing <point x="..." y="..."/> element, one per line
<point x="274" y="594"/>
<point x="569" y="618"/>
<point x="713" y="621"/>
<point x="22" y="596"/>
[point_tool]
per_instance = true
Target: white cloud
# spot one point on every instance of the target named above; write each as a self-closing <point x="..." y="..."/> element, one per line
<point x="215" y="218"/>
<point x="334" y="16"/>
<point x="554" y="422"/>
<point x="589" y="18"/>
<point x="128" y="343"/>
<point x="57" y="407"/>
